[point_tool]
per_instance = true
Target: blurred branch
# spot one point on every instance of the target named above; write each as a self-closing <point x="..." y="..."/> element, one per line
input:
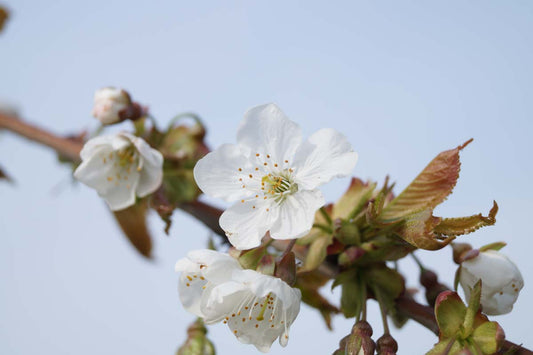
<point x="65" y="147"/>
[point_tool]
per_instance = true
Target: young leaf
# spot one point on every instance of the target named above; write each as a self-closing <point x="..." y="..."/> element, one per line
<point x="417" y="230"/>
<point x="317" y="252"/>
<point x="429" y="188"/>
<point x="353" y="200"/>
<point x="132" y="221"/>
<point x="465" y="225"/>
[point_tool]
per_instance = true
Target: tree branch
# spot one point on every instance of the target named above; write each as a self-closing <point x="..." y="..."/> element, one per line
<point x="64" y="146"/>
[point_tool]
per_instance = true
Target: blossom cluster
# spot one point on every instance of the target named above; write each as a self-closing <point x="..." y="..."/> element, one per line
<point x="271" y="177"/>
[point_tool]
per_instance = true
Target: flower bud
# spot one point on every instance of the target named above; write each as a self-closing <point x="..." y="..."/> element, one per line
<point x="109" y="102"/>
<point x="501" y="279"/>
<point x="197" y="342"/>
<point x="386" y="345"/>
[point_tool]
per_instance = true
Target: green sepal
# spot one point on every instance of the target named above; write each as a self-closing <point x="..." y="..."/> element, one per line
<point x="450" y="312"/>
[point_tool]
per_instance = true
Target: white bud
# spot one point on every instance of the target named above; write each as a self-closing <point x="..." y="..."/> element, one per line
<point x="108" y="102"/>
<point x="501" y="281"/>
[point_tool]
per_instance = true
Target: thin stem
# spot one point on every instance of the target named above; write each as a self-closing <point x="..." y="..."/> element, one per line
<point x="383" y="312"/>
<point x="288" y="249"/>
<point x="418" y="262"/>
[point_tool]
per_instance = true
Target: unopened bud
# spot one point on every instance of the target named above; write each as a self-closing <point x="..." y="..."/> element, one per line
<point x="347" y="233"/>
<point x="386" y="345"/>
<point x="433" y="287"/>
<point x="359" y="342"/>
<point x="350" y="255"/>
<point x="4" y="15"/>
<point x="459" y="250"/>
<point x="111" y="105"/>
<point x="197" y="342"/>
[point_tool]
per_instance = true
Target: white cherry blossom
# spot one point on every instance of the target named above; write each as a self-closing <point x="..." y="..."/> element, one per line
<point x="120" y="167"/>
<point x="501" y="281"/>
<point x="108" y="103"/>
<point x="273" y="175"/>
<point x="257" y="308"/>
<point x="200" y="271"/>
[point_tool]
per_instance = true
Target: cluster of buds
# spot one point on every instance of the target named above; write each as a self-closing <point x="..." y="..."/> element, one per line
<point x="358" y="342"/>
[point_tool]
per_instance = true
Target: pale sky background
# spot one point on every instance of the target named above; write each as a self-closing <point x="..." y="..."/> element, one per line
<point x="403" y="80"/>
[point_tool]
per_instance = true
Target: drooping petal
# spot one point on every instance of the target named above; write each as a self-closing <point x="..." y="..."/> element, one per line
<point x="297" y="214"/>
<point x="217" y="174"/>
<point x="266" y="130"/>
<point x="325" y="155"/>
<point x="247" y="221"/>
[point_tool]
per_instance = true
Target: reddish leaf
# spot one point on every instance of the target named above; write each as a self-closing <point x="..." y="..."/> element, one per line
<point x="417" y="230"/>
<point x="132" y="221"/>
<point x="429" y="188"/>
<point x="465" y="225"/>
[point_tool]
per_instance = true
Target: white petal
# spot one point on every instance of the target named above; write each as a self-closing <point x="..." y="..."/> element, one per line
<point x="152" y="167"/>
<point x="325" y="155"/>
<point x="122" y="195"/>
<point x="95" y="144"/>
<point x="223" y="301"/>
<point x="266" y="130"/>
<point x="297" y="214"/>
<point x="245" y="225"/>
<point x="263" y="312"/>
<point x="191" y="287"/>
<point x="217" y="174"/>
<point x="217" y="267"/>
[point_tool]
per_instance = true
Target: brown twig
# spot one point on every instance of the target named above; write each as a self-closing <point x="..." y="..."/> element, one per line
<point x="64" y="146"/>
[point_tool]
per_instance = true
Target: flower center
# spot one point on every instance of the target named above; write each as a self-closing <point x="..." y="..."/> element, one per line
<point x="278" y="186"/>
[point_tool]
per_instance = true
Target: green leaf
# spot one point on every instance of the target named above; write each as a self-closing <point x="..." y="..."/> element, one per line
<point x="317" y="252"/>
<point x="472" y="310"/>
<point x="353" y="297"/>
<point x="465" y="225"/>
<point x="489" y="337"/>
<point x="493" y="246"/>
<point x="429" y="188"/>
<point x="450" y="312"/>
<point x="442" y="347"/>
<point x="388" y="281"/>
<point x="353" y="200"/>
<point x="132" y="221"/>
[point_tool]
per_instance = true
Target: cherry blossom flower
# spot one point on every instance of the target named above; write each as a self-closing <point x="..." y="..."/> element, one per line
<point x="501" y="281"/>
<point x="257" y="308"/>
<point x="273" y="175"/>
<point x="108" y="103"/>
<point x="120" y="167"/>
<point x="201" y="270"/>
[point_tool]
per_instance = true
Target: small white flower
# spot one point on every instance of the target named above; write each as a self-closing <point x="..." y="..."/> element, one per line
<point x="108" y="103"/>
<point x="273" y="175"/>
<point x="201" y="270"/>
<point x="501" y="281"/>
<point x="257" y="308"/>
<point x="120" y="167"/>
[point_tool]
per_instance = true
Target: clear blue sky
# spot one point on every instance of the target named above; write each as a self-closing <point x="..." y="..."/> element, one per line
<point x="403" y="80"/>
